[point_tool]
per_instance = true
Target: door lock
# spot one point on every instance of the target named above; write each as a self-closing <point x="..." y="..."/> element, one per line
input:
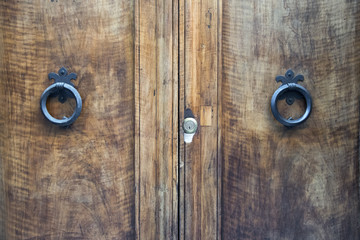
<point x="190" y="126"/>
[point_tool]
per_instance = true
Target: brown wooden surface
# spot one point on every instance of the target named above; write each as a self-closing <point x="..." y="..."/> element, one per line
<point x="74" y="183"/>
<point x="113" y="174"/>
<point x="198" y="30"/>
<point x="121" y="171"/>
<point x="299" y="183"/>
<point x="157" y="118"/>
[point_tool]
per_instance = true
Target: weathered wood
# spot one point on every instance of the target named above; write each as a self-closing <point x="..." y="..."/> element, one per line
<point x="303" y="182"/>
<point x="158" y="120"/>
<point x="74" y="183"/>
<point x="140" y="65"/>
<point x="175" y="121"/>
<point x="181" y="90"/>
<point x="198" y="74"/>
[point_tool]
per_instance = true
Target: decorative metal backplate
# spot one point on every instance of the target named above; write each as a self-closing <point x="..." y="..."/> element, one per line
<point x="64" y="77"/>
<point x="290" y="78"/>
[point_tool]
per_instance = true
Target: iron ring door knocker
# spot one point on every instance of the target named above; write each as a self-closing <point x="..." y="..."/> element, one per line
<point x="63" y="88"/>
<point x="290" y="90"/>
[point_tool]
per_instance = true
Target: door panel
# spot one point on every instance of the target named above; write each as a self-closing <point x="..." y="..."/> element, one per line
<point x="76" y="182"/>
<point x="198" y="29"/>
<point x="156" y="147"/>
<point x="113" y="173"/>
<point x="290" y="183"/>
<point x="250" y="177"/>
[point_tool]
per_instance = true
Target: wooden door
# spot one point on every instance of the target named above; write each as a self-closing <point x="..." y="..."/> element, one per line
<point x="113" y="173"/>
<point x="246" y="176"/>
<point x="123" y="171"/>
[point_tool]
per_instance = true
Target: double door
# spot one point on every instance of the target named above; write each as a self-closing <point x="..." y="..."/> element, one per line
<point x="123" y="171"/>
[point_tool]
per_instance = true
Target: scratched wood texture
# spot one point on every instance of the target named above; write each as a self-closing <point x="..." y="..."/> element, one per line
<point x="156" y="147"/>
<point x="281" y="183"/>
<point x="113" y="173"/>
<point x="74" y="183"/>
<point x="198" y="88"/>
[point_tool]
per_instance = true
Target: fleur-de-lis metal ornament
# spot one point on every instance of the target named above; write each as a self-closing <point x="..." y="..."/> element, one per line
<point x="290" y="78"/>
<point x="63" y="77"/>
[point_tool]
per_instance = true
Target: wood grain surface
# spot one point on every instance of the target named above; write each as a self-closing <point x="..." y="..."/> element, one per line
<point x="302" y="182"/>
<point x="198" y="32"/>
<point x="78" y="182"/>
<point x="157" y="119"/>
<point x="113" y="173"/>
<point x="72" y="183"/>
<point x="122" y="170"/>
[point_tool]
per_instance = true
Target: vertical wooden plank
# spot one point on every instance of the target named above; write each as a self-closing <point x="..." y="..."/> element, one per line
<point x="175" y="120"/>
<point x="303" y="182"/>
<point x="219" y="120"/>
<point x="148" y="122"/>
<point x="78" y="182"/>
<point x="158" y="128"/>
<point x="147" y="117"/>
<point x="200" y="29"/>
<point x="181" y="170"/>
<point x="137" y="116"/>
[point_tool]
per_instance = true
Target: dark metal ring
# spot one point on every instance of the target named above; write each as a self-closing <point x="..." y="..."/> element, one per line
<point x="279" y="92"/>
<point x="55" y="88"/>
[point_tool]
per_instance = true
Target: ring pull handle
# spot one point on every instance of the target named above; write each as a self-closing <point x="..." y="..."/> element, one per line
<point x="290" y="90"/>
<point x="62" y="88"/>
